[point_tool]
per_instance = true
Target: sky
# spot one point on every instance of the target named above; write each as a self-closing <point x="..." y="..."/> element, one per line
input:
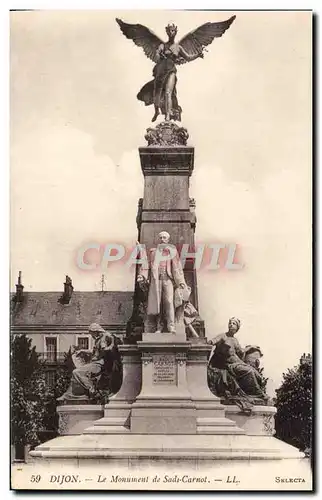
<point x="76" y="125"/>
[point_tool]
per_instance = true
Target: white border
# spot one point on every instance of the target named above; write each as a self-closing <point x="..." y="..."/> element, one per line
<point x="4" y="196"/>
<point x="223" y="5"/>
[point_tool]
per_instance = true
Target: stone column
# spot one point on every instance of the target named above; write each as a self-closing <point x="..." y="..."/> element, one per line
<point x="165" y="388"/>
<point x="167" y="165"/>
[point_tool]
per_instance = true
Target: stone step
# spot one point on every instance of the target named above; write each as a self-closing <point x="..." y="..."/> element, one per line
<point x="170" y="447"/>
<point x="214" y="430"/>
<point x="110" y="421"/>
<point x="107" y="429"/>
<point x="215" y="421"/>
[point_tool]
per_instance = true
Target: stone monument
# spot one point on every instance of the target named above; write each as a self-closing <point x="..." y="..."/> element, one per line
<point x="165" y="394"/>
<point x="164" y="410"/>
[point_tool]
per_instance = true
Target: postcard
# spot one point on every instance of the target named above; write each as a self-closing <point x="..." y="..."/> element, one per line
<point x="161" y="285"/>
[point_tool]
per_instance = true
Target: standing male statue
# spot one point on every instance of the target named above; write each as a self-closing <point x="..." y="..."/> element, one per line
<point x="167" y="287"/>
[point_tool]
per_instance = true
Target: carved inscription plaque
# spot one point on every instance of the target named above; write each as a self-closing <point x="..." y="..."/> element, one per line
<point x="164" y="369"/>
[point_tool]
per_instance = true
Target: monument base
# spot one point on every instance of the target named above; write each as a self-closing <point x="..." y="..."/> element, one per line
<point x="132" y="448"/>
<point x="75" y="419"/>
<point x="165" y="415"/>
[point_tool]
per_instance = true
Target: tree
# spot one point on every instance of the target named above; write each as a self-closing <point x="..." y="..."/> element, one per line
<point x="62" y="379"/>
<point x="33" y="403"/>
<point x="294" y="405"/>
<point x="28" y="394"/>
<point x="63" y="375"/>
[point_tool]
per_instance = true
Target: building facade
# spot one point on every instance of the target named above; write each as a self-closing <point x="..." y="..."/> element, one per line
<point x="56" y="321"/>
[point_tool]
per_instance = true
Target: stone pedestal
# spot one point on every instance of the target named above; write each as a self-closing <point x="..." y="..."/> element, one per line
<point x="164" y="405"/>
<point x="261" y="421"/>
<point x="169" y="393"/>
<point x="75" y="418"/>
<point x="164" y="411"/>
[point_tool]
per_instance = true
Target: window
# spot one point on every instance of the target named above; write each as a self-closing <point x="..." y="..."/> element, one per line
<point x="51" y="348"/>
<point x="83" y="343"/>
<point x="50" y="378"/>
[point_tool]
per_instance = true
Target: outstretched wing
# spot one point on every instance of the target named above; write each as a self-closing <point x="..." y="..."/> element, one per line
<point x="196" y="40"/>
<point x="142" y="37"/>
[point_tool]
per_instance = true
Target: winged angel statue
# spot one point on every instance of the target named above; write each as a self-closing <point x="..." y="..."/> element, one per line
<point x="161" y="91"/>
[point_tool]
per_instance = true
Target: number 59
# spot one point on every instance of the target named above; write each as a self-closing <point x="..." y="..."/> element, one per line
<point x="35" y="479"/>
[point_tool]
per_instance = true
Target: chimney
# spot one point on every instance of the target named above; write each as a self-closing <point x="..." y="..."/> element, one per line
<point x="68" y="291"/>
<point x="19" y="289"/>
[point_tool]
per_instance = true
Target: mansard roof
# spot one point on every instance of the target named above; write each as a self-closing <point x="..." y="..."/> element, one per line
<point x="44" y="309"/>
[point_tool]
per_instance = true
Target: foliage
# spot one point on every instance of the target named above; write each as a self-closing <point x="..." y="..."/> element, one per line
<point x="33" y="402"/>
<point x="63" y="375"/>
<point x="294" y="405"/>
<point x="28" y="392"/>
<point x="62" y="379"/>
<point x="264" y="379"/>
